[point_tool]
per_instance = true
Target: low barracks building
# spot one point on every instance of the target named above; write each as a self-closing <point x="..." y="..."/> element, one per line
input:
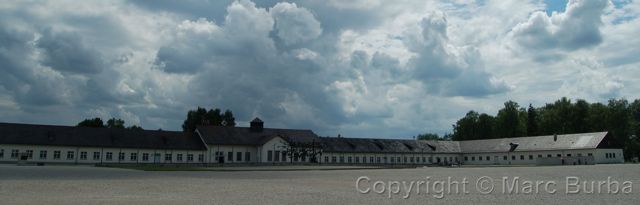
<point x="25" y="143"/>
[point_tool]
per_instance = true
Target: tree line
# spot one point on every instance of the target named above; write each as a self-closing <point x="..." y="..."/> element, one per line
<point x="619" y="117"/>
<point x="111" y="123"/>
<point x="197" y="117"/>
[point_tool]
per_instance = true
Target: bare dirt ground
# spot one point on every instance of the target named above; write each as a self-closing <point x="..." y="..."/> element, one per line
<point x="94" y="185"/>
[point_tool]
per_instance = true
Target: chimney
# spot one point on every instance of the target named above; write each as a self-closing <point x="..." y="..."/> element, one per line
<point x="256" y="125"/>
<point x="555" y="137"/>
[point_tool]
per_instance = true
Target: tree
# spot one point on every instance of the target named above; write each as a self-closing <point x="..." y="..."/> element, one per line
<point x="485" y="126"/>
<point x="428" y="136"/>
<point x="508" y="123"/>
<point x="95" y="122"/>
<point x="201" y="116"/>
<point x="115" y="123"/>
<point x="466" y="128"/>
<point x="532" y="121"/>
<point x="135" y="127"/>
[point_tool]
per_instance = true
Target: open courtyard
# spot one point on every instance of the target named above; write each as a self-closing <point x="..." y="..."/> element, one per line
<point x="96" y="185"/>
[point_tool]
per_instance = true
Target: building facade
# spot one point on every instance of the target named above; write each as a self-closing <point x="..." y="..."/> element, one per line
<point x="25" y="143"/>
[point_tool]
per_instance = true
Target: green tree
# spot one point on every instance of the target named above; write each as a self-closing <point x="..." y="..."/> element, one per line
<point x="95" y="122"/>
<point x="508" y="121"/>
<point x="466" y="128"/>
<point x="201" y="116"/>
<point x="428" y="136"/>
<point x="532" y="121"/>
<point x="485" y="126"/>
<point x="115" y="123"/>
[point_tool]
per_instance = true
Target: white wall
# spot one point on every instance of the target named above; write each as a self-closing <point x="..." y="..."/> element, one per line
<point x="498" y="158"/>
<point x="102" y="156"/>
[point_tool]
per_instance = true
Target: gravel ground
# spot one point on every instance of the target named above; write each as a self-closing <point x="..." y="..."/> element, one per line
<point x="93" y="185"/>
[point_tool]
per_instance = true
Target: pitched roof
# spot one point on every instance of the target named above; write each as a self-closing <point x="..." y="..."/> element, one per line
<point x="220" y="135"/>
<point x="349" y="145"/>
<point x="13" y="133"/>
<point x="537" y="143"/>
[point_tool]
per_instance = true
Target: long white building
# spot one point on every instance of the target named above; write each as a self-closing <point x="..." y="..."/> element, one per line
<point x="26" y="143"/>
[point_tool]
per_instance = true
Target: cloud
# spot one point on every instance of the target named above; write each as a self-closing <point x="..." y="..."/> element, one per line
<point x="359" y="68"/>
<point x="293" y="24"/>
<point x="65" y="51"/>
<point x="445" y="68"/>
<point x="576" y="28"/>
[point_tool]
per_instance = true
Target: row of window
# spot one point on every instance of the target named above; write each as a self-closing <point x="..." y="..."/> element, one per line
<point x="385" y="159"/>
<point x="522" y="157"/>
<point x="219" y="156"/>
<point x="278" y="156"/>
<point x="610" y="155"/>
<point x="70" y="155"/>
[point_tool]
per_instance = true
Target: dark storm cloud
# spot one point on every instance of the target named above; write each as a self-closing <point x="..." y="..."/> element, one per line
<point x="65" y="51"/>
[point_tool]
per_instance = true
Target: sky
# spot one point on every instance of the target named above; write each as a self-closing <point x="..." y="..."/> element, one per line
<point x="362" y="68"/>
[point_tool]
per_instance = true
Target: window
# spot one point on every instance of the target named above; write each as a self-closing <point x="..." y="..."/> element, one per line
<point x="568" y="155"/>
<point x="284" y="156"/>
<point x="269" y="155"/>
<point x="530" y="157"/>
<point x="133" y="157"/>
<point x="513" y="157"/>
<point x="121" y="156"/>
<point x="14" y="153"/>
<point x="167" y="157"/>
<point x="357" y="159"/>
<point x="473" y="158"/>
<point x="549" y="156"/>
<point x="333" y="159"/>
<point x="201" y="158"/>
<point x="590" y="154"/>
<point x="179" y="157"/>
<point x="405" y="160"/>
<point x="539" y="156"/>
<point x="424" y="159"/>
<point x="83" y="155"/>
<point x="371" y="159"/>
<point x="109" y="156"/>
<point x="342" y="159"/>
<point x="521" y="157"/>
<point x="247" y="156"/>
<point x="430" y="160"/>
<point x="70" y="155"/>
<point x="156" y="157"/>
<point x="239" y="157"/>
<point x="96" y="155"/>
<point x="350" y="159"/>
<point x="480" y="158"/>
<point x="189" y="157"/>
<point x="277" y="158"/>
<point x="504" y="157"/>
<point x="392" y="160"/>
<point x="411" y="159"/>
<point x="378" y="159"/>
<point x="614" y="155"/>
<point x="326" y="159"/>
<point x="43" y="154"/>
<point x="30" y="154"/>
<point x="56" y="154"/>
<point x="488" y="158"/>
<point x="230" y="156"/>
<point x="559" y="155"/>
<point x="1" y="153"/>
<point x="145" y="156"/>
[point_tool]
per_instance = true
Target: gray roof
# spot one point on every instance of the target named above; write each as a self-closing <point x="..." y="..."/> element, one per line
<point x="13" y="133"/>
<point x="220" y="135"/>
<point x="364" y="145"/>
<point x="538" y="143"/>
